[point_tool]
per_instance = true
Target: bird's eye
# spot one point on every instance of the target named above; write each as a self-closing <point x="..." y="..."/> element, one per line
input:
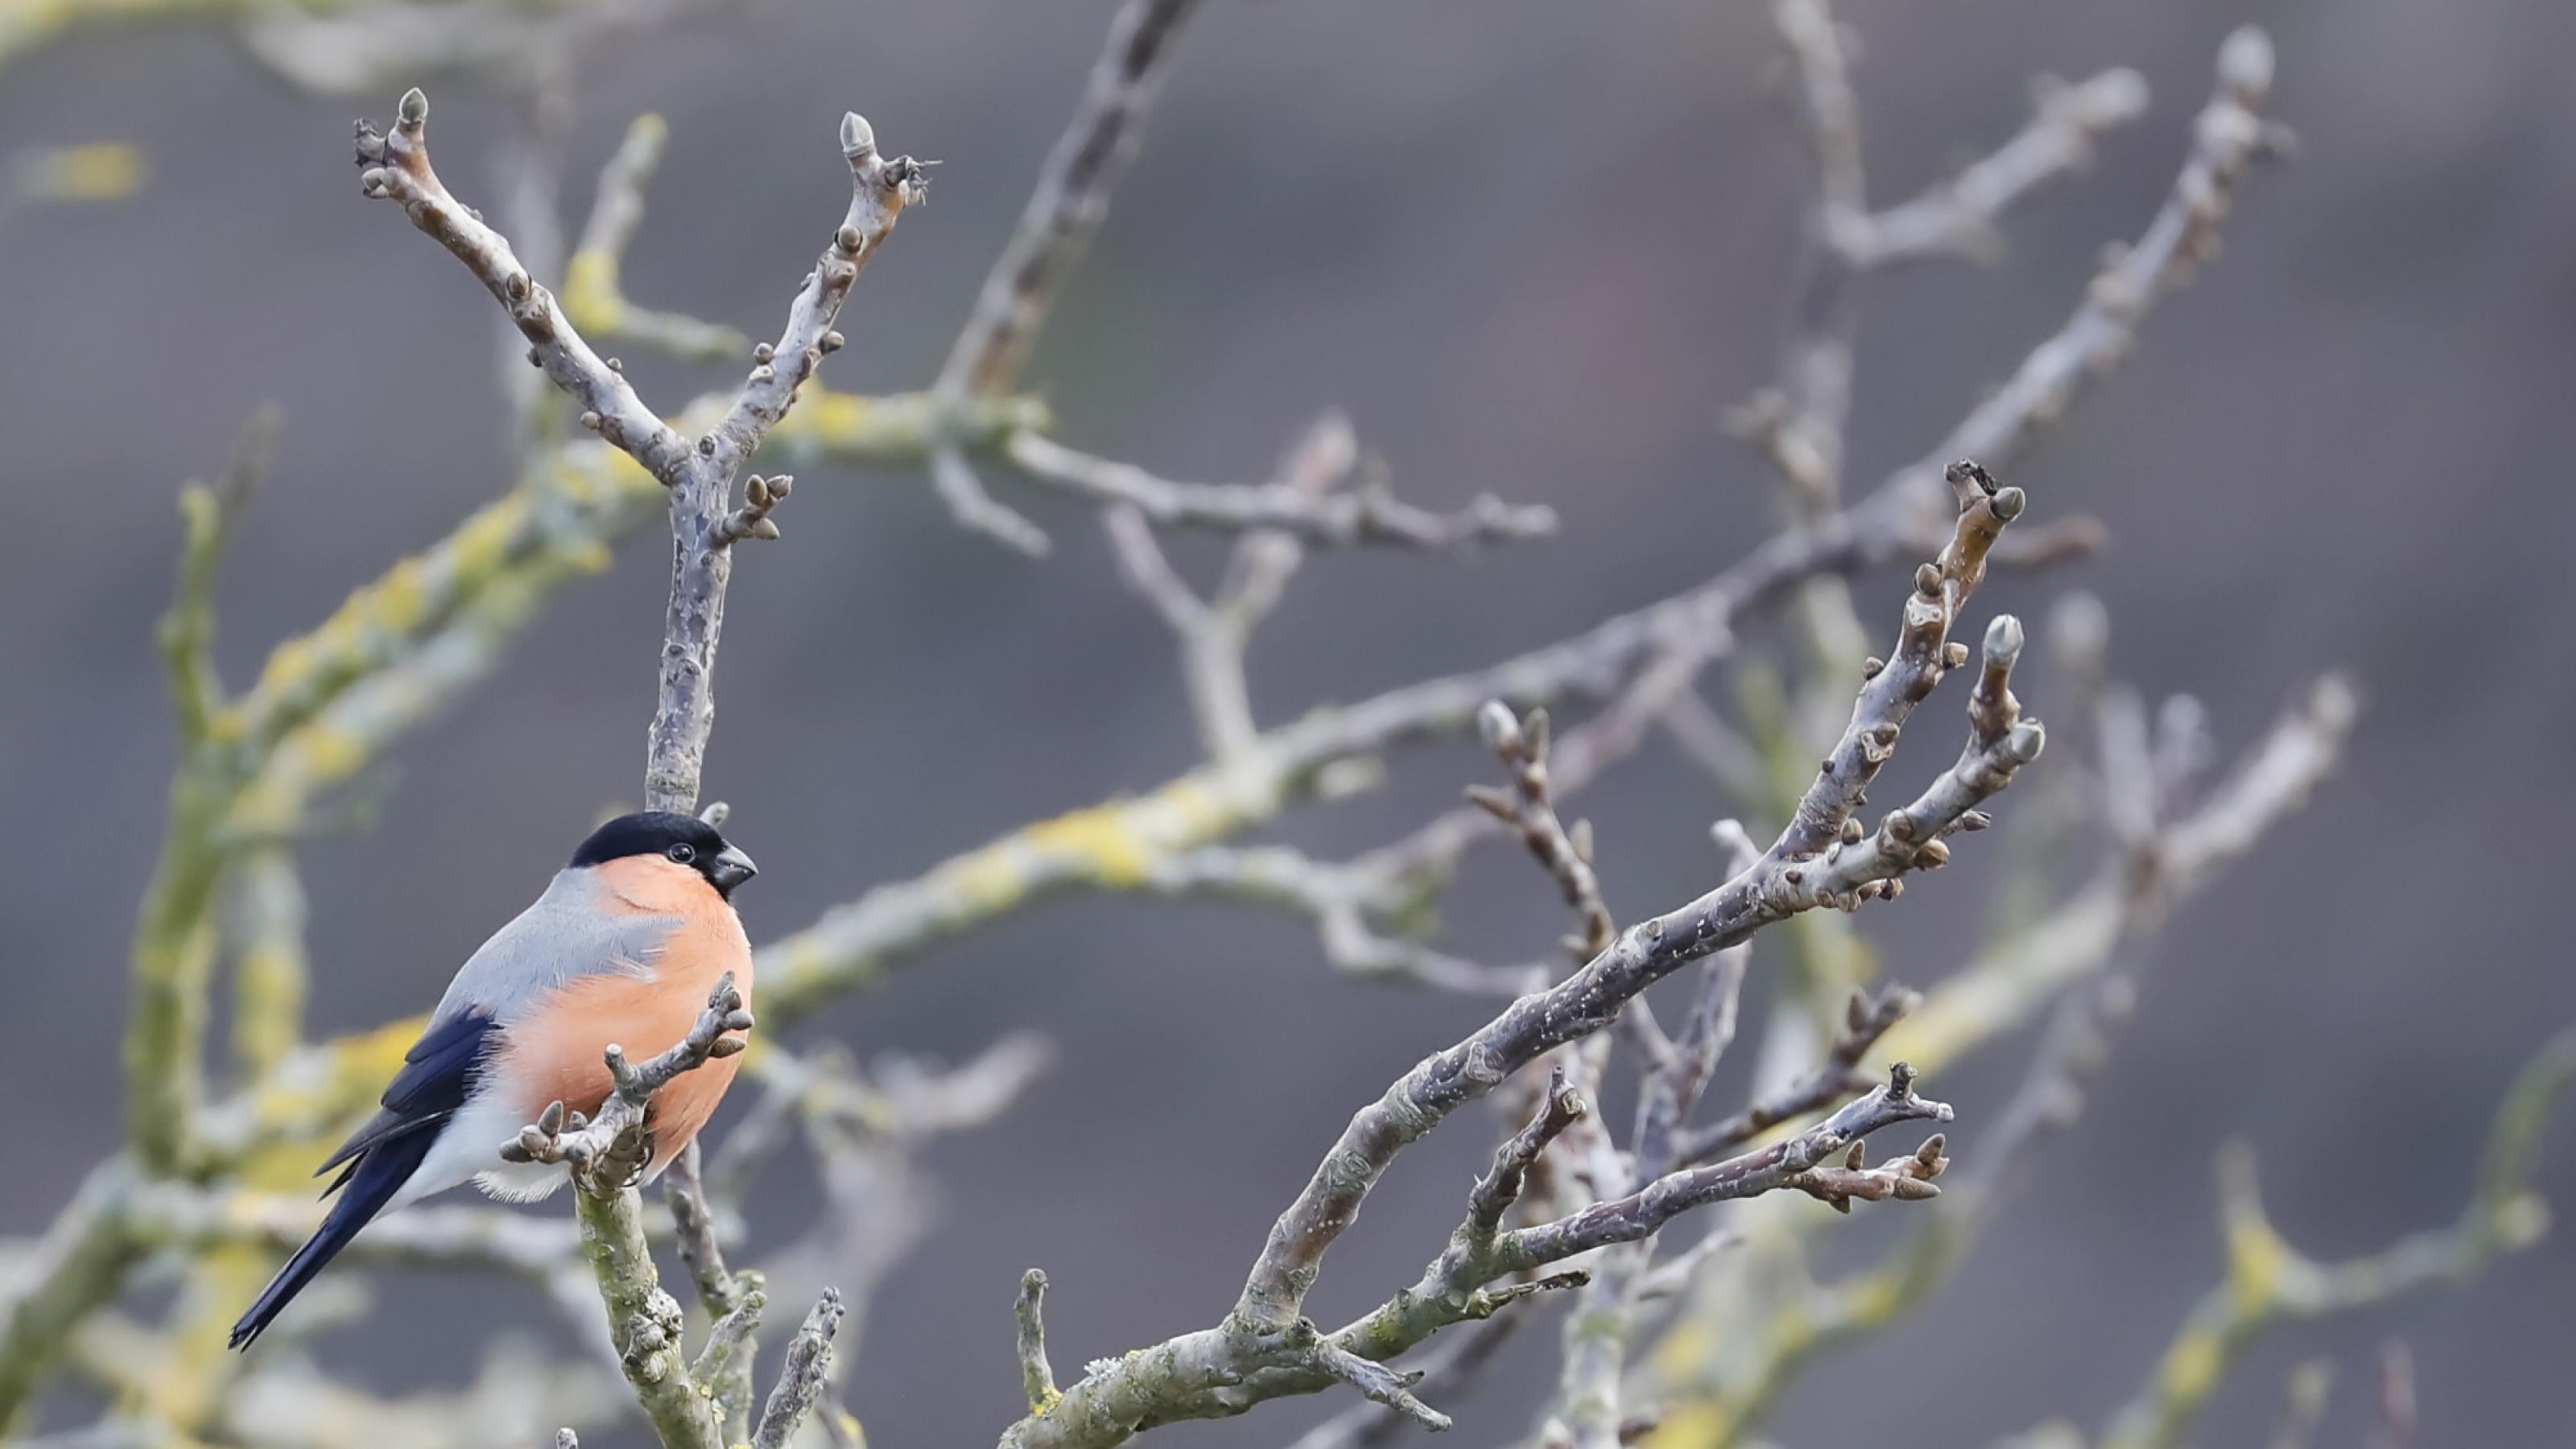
<point x="683" y="852"/>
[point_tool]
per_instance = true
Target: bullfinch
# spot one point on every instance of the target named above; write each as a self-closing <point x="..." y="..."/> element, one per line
<point x="623" y="947"/>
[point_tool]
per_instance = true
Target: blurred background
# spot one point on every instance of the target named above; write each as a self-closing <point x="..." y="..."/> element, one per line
<point x="1532" y="249"/>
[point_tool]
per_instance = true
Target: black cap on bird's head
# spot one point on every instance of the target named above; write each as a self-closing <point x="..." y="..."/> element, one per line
<point x="681" y="839"/>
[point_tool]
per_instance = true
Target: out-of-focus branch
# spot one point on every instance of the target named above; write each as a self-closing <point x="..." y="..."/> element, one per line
<point x="2268" y="1280"/>
<point x="2230" y="135"/>
<point x="1117" y="844"/>
<point x="174" y="940"/>
<point x="1064" y="209"/>
<point x="867" y="1132"/>
<point x="270" y="970"/>
<point x="1339" y="898"/>
<point x="2397" y="1413"/>
<point x="1070" y="200"/>
<point x="1958" y="216"/>
<point x="2303" y="1405"/>
<point x="2008" y="985"/>
<point x="187" y="631"/>
<point x="592" y="295"/>
<point x="414" y="31"/>
<point x="1368" y="515"/>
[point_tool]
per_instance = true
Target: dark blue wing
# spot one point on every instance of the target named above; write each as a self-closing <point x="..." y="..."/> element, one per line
<point x="438" y="1074"/>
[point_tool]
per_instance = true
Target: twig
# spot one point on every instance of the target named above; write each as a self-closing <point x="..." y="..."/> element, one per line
<point x="606" y="1150"/>
<point x="683" y="1189"/>
<point x="1459" y="1357"/>
<point x="1381" y="1384"/>
<point x="1037" y="1376"/>
<point x="800" y="1379"/>
<point x="1530" y="810"/>
<point x="1865" y="1020"/>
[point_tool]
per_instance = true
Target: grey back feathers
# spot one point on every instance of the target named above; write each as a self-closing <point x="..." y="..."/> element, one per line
<point x="571" y="931"/>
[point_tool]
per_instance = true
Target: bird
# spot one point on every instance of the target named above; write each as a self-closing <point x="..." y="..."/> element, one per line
<point x="623" y="947"/>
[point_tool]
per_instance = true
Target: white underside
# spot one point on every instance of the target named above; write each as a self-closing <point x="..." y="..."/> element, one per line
<point x="469" y="1147"/>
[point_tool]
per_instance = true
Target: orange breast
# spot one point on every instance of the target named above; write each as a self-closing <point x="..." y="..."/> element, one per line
<point x="556" y="1052"/>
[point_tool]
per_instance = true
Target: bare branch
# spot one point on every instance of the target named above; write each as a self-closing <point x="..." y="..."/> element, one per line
<point x="1530" y="810"/>
<point x="1381" y="1384"/>
<point x="1500" y="1187"/>
<point x="397" y="168"/>
<point x="703" y="522"/>
<point x="1798" y="1163"/>
<point x="1264" y="1348"/>
<point x="1866" y="1019"/>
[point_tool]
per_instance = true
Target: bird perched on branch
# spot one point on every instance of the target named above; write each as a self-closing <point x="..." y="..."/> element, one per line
<point x="623" y="948"/>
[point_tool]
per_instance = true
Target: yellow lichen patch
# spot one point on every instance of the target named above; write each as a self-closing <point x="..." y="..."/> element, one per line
<point x="827" y="417"/>
<point x="1693" y="1425"/>
<point x="2256" y="1261"/>
<point x="288" y="665"/>
<point x="352" y="1071"/>
<point x="100" y="171"/>
<point x="1876" y="1298"/>
<point x="330" y="753"/>
<point x="1184" y="813"/>
<point x="1684" y="1349"/>
<point x="482" y="541"/>
<point x="402" y="598"/>
<point x="987" y="880"/>
<point x="1103" y="838"/>
<point x="2192" y="1367"/>
<point x="590" y="293"/>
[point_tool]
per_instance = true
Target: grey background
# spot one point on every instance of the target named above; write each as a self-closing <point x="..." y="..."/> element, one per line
<point x="1533" y="248"/>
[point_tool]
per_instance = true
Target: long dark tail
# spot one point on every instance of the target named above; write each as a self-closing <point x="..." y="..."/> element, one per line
<point x="370" y="1183"/>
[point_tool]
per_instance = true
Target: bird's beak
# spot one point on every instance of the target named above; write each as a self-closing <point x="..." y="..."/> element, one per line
<point x="731" y="869"/>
